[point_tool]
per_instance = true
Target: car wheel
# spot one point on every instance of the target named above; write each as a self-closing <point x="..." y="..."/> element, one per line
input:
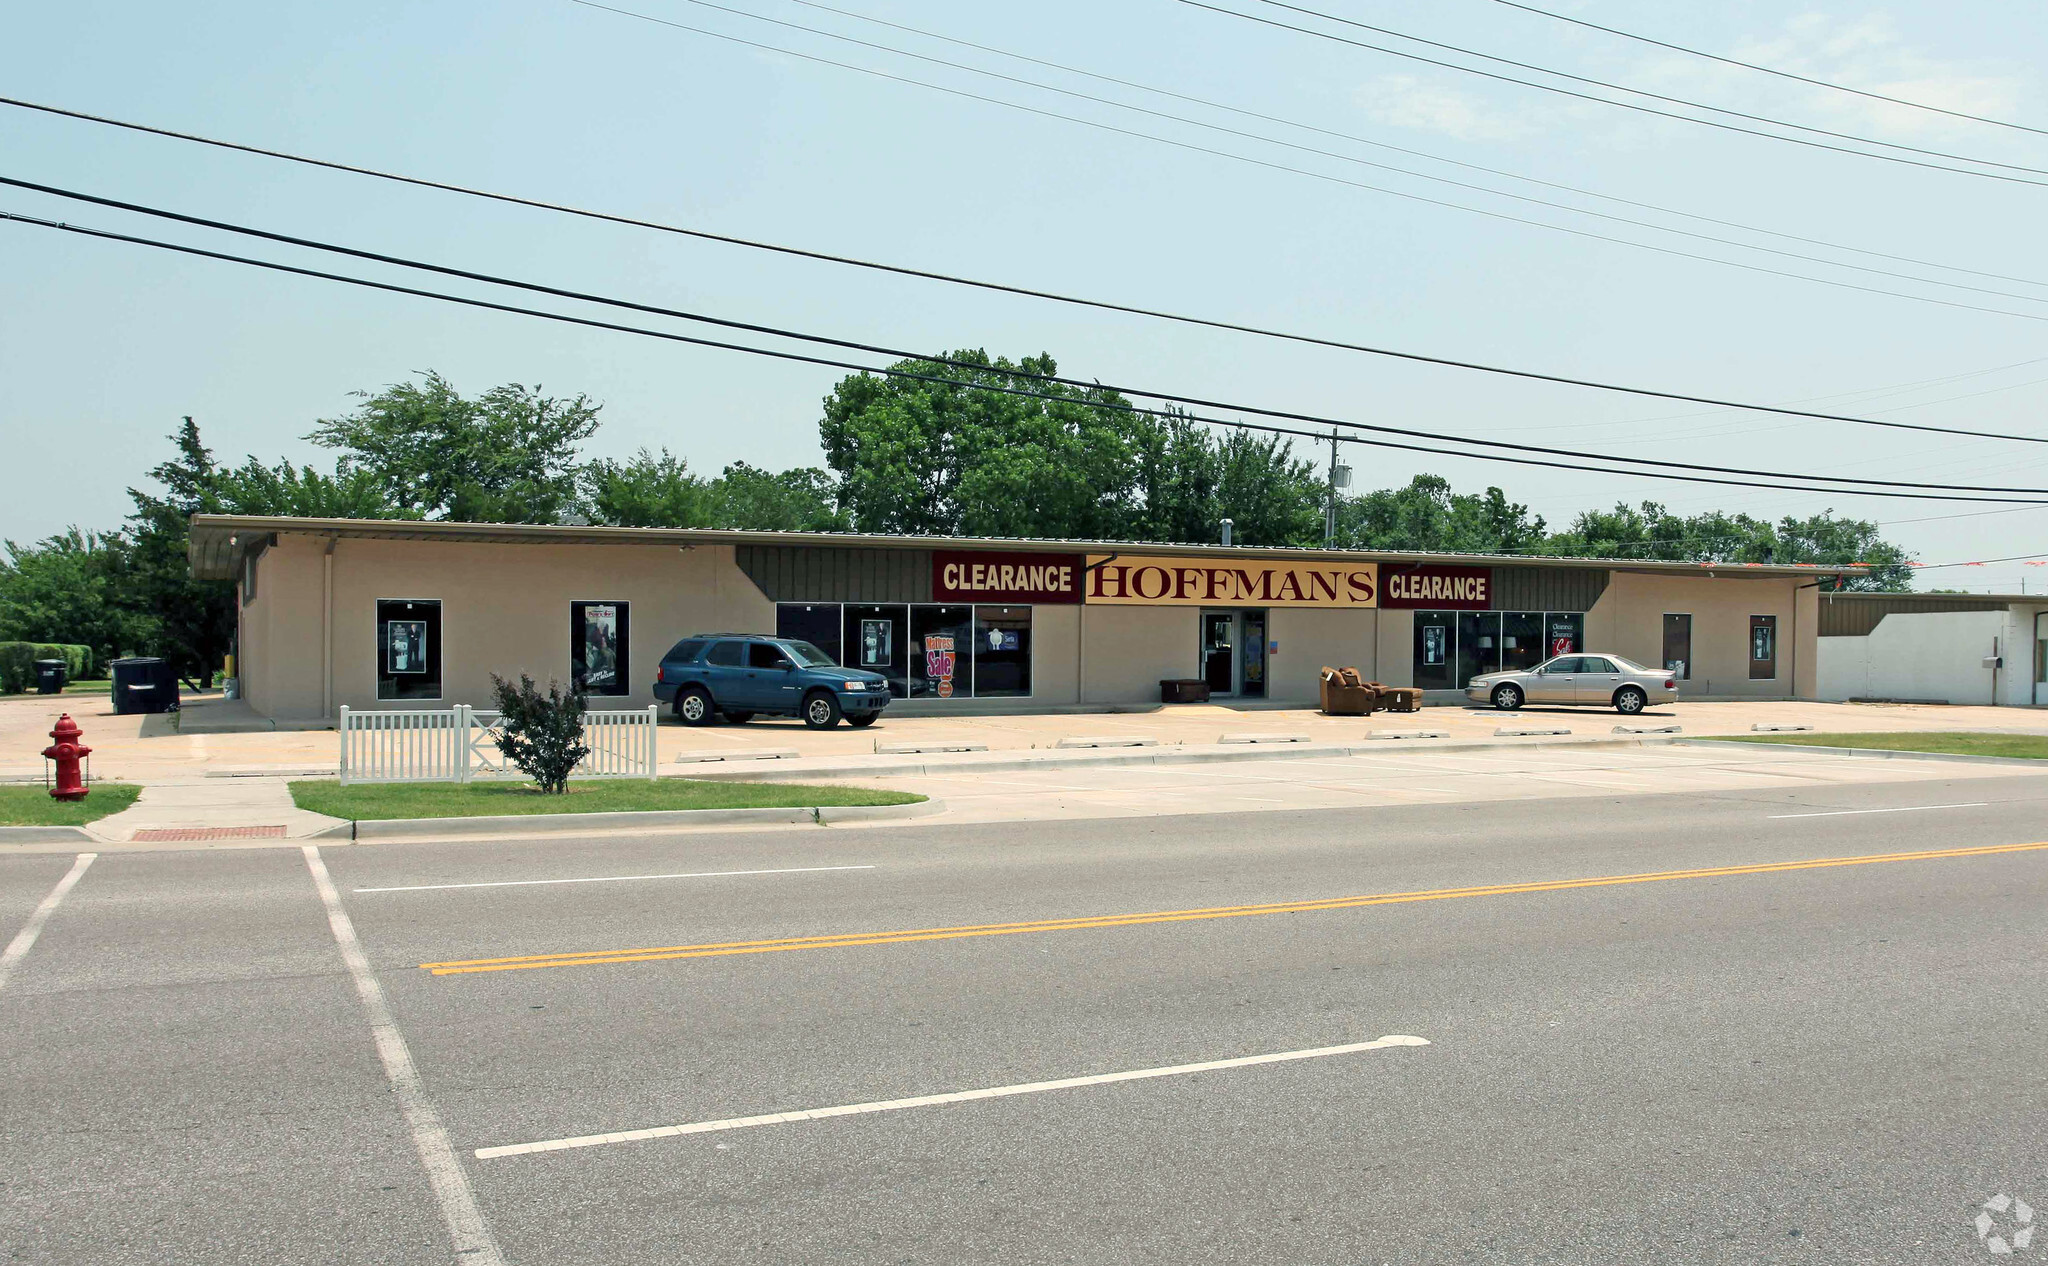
<point x="1507" y="696"/>
<point x="862" y="723"/>
<point x="1629" y="700"/>
<point x="694" y="706"/>
<point x="821" y="711"/>
<point x="739" y="718"/>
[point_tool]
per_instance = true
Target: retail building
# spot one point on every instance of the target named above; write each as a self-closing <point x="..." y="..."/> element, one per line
<point x="379" y="614"/>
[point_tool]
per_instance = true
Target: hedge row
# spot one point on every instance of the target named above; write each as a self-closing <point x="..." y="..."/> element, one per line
<point x="18" y="663"/>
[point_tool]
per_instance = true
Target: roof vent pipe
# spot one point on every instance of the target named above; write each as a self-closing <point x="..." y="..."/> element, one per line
<point x="1226" y="531"/>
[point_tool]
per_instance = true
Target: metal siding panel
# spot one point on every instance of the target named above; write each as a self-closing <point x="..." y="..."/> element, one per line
<point x="1547" y="588"/>
<point x="1858" y="617"/>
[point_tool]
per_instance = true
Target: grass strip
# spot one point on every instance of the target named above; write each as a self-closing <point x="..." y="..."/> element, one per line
<point x="1946" y="743"/>
<point x="370" y="802"/>
<point x="31" y="805"/>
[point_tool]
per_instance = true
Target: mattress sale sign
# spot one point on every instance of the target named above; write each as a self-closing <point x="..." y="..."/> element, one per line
<point x="1149" y="581"/>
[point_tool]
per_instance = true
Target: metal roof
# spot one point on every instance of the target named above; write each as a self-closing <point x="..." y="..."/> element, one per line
<point x="219" y="540"/>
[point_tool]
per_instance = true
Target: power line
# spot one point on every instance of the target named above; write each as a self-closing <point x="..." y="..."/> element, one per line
<point x="1338" y="180"/>
<point x="1771" y="70"/>
<point x="1332" y="154"/>
<point x="881" y="350"/>
<point x="1092" y="391"/>
<point x="1102" y="305"/>
<point x="1630" y="105"/>
<point x="1384" y="145"/>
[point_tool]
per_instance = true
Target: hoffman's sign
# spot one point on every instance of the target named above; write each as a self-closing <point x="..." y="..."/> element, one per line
<point x="1142" y="580"/>
<point x="978" y="576"/>
<point x="1441" y="588"/>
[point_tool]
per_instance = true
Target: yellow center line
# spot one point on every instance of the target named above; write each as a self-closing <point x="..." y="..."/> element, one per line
<point x="587" y="958"/>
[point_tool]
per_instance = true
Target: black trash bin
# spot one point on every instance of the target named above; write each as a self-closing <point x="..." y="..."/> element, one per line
<point x="144" y="683"/>
<point x="50" y="677"/>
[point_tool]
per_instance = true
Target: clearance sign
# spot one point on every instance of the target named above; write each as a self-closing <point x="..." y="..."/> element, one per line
<point x="1144" y="580"/>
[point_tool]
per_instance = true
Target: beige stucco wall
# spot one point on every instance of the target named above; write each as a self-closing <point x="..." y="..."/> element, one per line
<point x="278" y="660"/>
<point x="1629" y="620"/>
<point x="1130" y="650"/>
<point x="1309" y="639"/>
<point x="1397" y="648"/>
<point x="504" y="609"/>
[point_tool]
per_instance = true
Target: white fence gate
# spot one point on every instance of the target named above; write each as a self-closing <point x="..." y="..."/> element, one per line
<point x="460" y="743"/>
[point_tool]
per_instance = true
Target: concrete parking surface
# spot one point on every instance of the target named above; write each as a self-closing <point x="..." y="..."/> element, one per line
<point x="153" y="748"/>
<point x="1782" y="1021"/>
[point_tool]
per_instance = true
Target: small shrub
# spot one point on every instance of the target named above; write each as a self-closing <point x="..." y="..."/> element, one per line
<point x="18" y="663"/>
<point x="541" y="733"/>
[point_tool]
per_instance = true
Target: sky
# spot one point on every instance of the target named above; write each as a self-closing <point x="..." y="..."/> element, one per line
<point x="104" y="346"/>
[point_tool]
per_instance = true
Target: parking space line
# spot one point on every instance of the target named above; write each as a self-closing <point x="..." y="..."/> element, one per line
<point x="470" y="1235"/>
<point x="612" y="879"/>
<point x="1913" y="808"/>
<point x="25" y="940"/>
<point x="933" y="1101"/>
<point x="848" y="940"/>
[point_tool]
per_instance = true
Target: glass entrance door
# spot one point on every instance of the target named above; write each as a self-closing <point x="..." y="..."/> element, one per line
<point x="1219" y="651"/>
<point x="1252" y="655"/>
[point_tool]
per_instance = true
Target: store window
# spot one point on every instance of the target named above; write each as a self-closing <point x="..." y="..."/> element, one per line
<point x="813" y="622"/>
<point x="1763" y="647"/>
<point x="1521" y="642"/>
<point x="877" y="638"/>
<point x="1478" y="645"/>
<point x="1678" y="646"/>
<point x="1436" y="636"/>
<point x="1453" y="647"/>
<point x="1002" y="652"/>
<point x="599" y="637"/>
<point x="1563" y="633"/>
<point x="940" y="667"/>
<point x="408" y="649"/>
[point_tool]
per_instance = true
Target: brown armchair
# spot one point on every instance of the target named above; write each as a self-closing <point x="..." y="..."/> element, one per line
<point x="1345" y="695"/>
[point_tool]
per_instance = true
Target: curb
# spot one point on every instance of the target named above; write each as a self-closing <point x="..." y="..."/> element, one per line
<point x="46" y="835"/>
<point x="1878" y="753"/>
<point x="648" y="820"/>
<point x="1184" y="754"/>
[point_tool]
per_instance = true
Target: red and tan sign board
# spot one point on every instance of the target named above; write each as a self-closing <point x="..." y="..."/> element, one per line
<point x="1149" y="580"/>
<point x="1437" y="588"/>
<point x="1005" y="577"/>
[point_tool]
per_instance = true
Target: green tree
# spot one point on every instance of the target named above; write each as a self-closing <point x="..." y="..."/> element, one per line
<point x="1427" y="515"/>
<point x="1648" y="530"/>
<point x="963" y="457"/>
<point x="508" y="456"/>
<point x="63" y="589"/>
<point x="798" y="500"/>
<point x="285" y="489"/>
<point x="191" y="623"/>
<point x="1270" y="497"/>
<point x="645" y="490"/>
<point x="1179" y="469"/>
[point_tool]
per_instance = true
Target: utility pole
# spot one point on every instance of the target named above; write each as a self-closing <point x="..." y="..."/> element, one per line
<point x="1340" y="477"/>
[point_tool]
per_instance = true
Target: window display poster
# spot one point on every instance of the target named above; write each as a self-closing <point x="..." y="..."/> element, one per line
<point x="1004" y="640"/>
<point x="877" y="644"/>
<point x="600" y="647"/>
<point x="939" y="661"/>
<point x="1434" y="642"/>
<point x="405" y="647"/>
<point x="1760" y="638"/>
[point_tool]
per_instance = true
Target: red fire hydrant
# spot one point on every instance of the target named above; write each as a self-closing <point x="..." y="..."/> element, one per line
<point x="67" y="751"/>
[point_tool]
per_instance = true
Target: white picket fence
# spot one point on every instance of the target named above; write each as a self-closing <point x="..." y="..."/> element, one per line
<point x="459" y="744"/>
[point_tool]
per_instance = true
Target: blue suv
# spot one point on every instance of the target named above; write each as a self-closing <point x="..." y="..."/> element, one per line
<point x="742" y="675"/>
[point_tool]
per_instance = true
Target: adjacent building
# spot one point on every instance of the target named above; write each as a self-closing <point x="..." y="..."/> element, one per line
<point x="1935" y="648"/>
<point x="379" y="614"/>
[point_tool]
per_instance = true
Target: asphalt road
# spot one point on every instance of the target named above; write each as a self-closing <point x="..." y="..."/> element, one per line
<point x="1833" y="1063"/>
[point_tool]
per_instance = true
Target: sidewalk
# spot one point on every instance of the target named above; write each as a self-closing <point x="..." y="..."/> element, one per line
<point x="159" y="749"/>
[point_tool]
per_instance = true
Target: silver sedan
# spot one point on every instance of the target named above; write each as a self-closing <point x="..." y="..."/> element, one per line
<point x="1606" y="681"/>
